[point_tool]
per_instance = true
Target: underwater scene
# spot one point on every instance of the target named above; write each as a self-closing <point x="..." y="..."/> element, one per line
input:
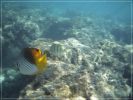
<point x="66" y="50"/>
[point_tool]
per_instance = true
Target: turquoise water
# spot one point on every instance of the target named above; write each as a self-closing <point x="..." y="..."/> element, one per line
<point x="119" y="10"/>
<point x="94" y="33"/>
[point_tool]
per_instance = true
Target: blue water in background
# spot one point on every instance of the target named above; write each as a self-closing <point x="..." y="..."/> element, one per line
<point x="119" y="12"/>
<point x="114" y="11"/>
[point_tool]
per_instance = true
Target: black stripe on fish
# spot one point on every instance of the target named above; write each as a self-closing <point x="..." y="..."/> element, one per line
<point x="26" y="67"/>
<point x="28" y="55"/>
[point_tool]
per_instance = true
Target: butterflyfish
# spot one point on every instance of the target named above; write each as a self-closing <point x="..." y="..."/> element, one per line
<point x="31" y="61"/>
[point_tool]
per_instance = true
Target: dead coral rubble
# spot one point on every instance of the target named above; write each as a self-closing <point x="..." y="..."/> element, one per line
<point x="79" y="77"/>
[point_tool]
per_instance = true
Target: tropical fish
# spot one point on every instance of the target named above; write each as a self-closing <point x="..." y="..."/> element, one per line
<point x="31" y="61"/>
<point x="56" y="49"/>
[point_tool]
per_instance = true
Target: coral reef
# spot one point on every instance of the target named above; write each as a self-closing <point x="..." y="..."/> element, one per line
<point x="13" y="82"/>
<point x="78" y="76"/>
<point x="87" y="60"/>
<point x="123" y="33"/>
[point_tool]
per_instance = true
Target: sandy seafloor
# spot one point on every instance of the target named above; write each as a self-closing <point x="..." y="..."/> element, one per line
<point x="95" y="60"/>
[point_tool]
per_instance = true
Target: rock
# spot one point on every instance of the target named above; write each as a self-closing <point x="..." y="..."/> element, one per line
<point x="90" y="63"/>
<point x="62" y="91"/>
<point x="2" y="78"/>
<point x="129" y="48"/>
<point x="122" y="34"/>
<point x="94" y="97"/>
<point x="9" y="77"/>
<point x="76" y="76"/>
<point x="78" y="98"/>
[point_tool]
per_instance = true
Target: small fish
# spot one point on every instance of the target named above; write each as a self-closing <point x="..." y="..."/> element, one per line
<point x="56" y="49"/>
<point x="31" y="61"/>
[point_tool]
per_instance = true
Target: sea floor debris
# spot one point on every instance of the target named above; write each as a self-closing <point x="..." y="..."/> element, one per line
<point x="81" y="77"/>
<point x="86" y="61"/>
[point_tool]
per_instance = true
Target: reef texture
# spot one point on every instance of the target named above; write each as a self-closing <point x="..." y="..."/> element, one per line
<point x="82" y="73"/>
<point x="94" y="62"/>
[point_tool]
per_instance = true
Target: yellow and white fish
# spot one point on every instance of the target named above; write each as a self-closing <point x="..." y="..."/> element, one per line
<point x="31" y="61"/>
